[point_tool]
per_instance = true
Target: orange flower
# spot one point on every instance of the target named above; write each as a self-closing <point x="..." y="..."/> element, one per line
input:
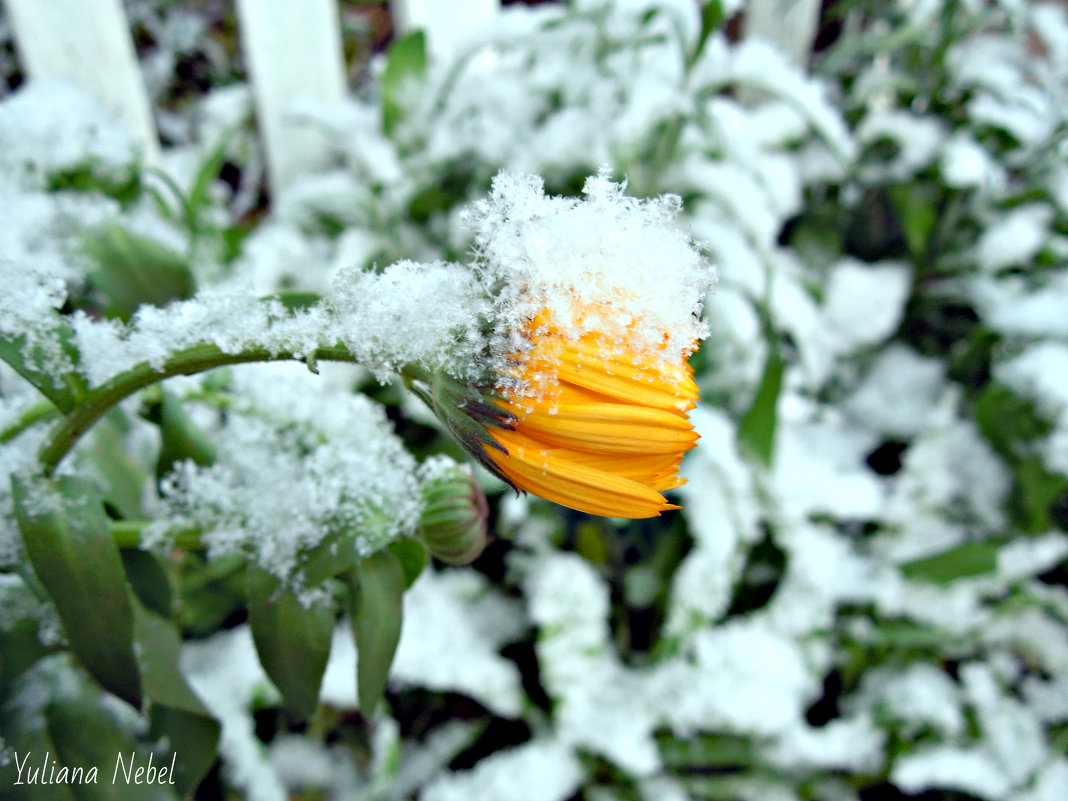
<point x="598" y="427"/>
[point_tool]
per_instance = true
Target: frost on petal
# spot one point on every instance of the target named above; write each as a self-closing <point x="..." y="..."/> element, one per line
<point x="607" y="264"/>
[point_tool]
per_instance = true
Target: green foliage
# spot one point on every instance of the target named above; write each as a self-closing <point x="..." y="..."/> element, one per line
<point x="970" y="559"/>
<point x="407" y="62"/>
<point x="757" y="430"/>
<point x="71" y="549"/>
<point x="130" y="269"/>
<point x="376" y="587"/>
<point x="33" y="360"/>
<point x="292" y="640"/>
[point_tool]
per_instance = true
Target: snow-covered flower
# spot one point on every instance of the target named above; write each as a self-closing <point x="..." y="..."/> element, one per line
<point x="597" y="309"/>
<point x="607" y="435"/>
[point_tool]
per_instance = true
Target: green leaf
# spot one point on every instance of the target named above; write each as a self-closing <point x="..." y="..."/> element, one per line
<point x="293" y="642"/>
<point x="149" y="580"/>
<point x="205" y="177"/>
<point x="71" y="549"/>
<point x="159" y="646"/>
<point x="757" y="430"/>
<point x="192" y="738"/>
<point x="294" y="300"/>
<point x="87" y="737"/>
<point x="376" y="589"/>
<point x="1008" y="422"/>
<point x="1038" y="489"/>
<point x="28" y="738"/>
<point x="413" y="557"/>
<point x="711" y="17"/>
<point x="177" y="714"/>
<point x="180" y="437"/>
<point x="333" y="556"/>
<point x="969" y="559"/>
<point x="36" y="363"/>
<point x="132" y="269"/>
<point x="20" y="648"/>
<point x="123" y="478"/>
<point x="407" y="62"/>
<point x="917" y="211"/>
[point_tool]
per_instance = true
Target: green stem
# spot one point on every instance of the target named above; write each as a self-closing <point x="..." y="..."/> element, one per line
<point x="195" y="359"/>
<point x="36" y="413"/>
<point x="127" y="534"/>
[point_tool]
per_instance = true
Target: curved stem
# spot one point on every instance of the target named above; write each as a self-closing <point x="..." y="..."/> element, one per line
<point x="36" y="413"/>
<point x="195" y="359"/>
<point x="127" y="534"/>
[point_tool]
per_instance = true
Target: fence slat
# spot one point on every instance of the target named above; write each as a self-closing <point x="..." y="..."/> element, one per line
<point x="87" y="42"/>
<point x="447" y="24"/>
<point x="293" y="51"/>
<point x="789" y="24"/>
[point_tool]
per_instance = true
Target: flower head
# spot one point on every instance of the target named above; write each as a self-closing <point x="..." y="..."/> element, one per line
<point x="605" y="429"/>
<point x="596" y="307"/>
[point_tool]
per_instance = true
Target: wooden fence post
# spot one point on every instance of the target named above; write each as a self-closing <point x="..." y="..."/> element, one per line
<point x="87" y="42"/>
<point x="293" y="51"/>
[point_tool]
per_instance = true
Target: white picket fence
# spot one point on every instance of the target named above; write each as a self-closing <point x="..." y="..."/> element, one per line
<point x="294" y="55"/>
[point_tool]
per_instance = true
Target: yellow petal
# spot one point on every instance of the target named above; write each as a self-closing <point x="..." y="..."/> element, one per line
<point x="549" y="473"/>
<point x="608" y="428"/>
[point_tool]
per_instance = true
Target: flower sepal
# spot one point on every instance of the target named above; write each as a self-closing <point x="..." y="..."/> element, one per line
<point x="468" y="411"/>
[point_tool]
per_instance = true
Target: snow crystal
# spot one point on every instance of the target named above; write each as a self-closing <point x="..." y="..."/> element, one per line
<point x="898" y="393"/>
<point x="443" y="645"/>
<point x="1027" y="117"/>
<point x="430" y="314"/>
<point x="917" y="696"/>
<point x="819" y="467"/>
<point x="28" y="307"/>
<point x="49" y="126"/>
<point x="1015" y="239"/>
<point x="541" y="770"/>
<point x="600" y="706"/>
<point x="1028" y="557"/>
<point x="277" y="256"/>
<point x="295" y="467"/>
<point x="965" y="164"/>
<point x="864" y="303"/>
<point x="1012" y="733"/>
<point x="761" y="683"/>
<point x="917" y="140"/>
<point x="1040" y="374"/>
<point x="757" y="64"/>
<point x="608" y="264"/>
<point x="854" y="744"/>
<point x="302" y="762"/>
<point x="1049" y="785"/>
<point x="1014" y="306"/>
<point x="225" y="673"/>
<point x="950" y="767"/>
<point x="950" y="473"/>
<point x="719" y="502"/>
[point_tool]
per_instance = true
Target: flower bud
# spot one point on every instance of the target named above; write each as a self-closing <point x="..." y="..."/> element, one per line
<point x="453" y="522"/>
